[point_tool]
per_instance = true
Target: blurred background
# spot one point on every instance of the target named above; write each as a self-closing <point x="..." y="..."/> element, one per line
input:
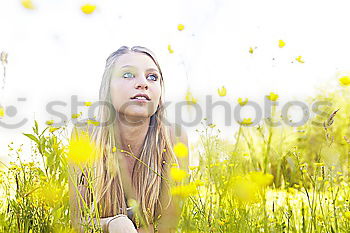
<point x="57" y="49"/>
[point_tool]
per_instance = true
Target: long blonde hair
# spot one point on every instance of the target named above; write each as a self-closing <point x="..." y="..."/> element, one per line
<point x="156" y="153"/>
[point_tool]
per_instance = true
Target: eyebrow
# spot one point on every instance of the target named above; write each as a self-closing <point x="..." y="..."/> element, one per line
<point x="129" y="66"/>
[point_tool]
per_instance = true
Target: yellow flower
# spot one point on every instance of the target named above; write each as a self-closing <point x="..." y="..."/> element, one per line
<point x="184" y="190"/>
<point x="87" y="103"/>
<point x="246" y="121"/>
<point x="177" y="174"/>
<point x="76" y="115"/>
<point x="243" y="189"/>
<point x="251" y="50"/>
<point x="180" y="27"/>
<point x="221" y="223"/>
<point x="49" y="122"/>
<point x="260" y="178"/>
<point x="51" y="193"/>
<point x="299" y="59"/>
<point x="53" y="129"/>
<point x="170" y="49"/>
<point x="19" y="201"/>
<point x="319" y="178"/>
<point x="92" y="122"/>
<point x="222" y="91"/>
<point x="2" y="112"/>
<point x="27" y="4"/>
<point x="319" y="164"/>
<point x="198" y="183"/>
<point x="189" y="98"/>
<point x="181" y="150"/>
<point x="88" y="9"/>
<point x="241" y="102"/>
<point x="345" y="81"/>
<point x="82" y="150"/>
<point x="281" y="43"/>
<point x="193" y="167"/>
<point x="272" y="96"/>
<point x="347" y="215"/>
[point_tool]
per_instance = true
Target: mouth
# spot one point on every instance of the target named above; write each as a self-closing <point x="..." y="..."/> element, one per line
<point x="141" y="98"/>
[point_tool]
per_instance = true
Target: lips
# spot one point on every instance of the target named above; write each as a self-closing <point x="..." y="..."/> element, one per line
<point x="141" y="96"/>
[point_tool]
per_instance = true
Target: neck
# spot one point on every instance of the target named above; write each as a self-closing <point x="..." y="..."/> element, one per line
<point x="132" y="132"/>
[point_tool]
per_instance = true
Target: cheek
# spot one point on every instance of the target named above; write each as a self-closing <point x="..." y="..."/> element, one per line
<point x="156" y="94"/>
<point x="118" y="94"/>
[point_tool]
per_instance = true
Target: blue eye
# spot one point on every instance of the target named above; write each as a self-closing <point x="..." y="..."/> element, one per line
<point x="128" y="75"/>
<point x="155" y="77"/>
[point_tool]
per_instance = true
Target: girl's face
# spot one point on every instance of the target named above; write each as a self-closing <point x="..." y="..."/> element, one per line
<point x="135" y="73"/>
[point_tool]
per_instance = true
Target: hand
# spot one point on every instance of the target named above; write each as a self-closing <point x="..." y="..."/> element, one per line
<point x="121" y="225"/>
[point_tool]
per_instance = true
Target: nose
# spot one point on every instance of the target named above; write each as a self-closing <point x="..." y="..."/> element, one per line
<point x="141" y="83"/>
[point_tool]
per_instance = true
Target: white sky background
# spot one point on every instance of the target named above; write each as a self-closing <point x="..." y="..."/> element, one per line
<point x="56" y="51"/>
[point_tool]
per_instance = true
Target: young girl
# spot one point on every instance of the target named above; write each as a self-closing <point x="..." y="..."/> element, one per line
<point x="136" y="145"/>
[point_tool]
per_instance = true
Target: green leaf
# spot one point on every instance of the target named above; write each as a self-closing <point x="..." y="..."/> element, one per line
<point x="36" y="127"/>
<point x="32" y="137"/>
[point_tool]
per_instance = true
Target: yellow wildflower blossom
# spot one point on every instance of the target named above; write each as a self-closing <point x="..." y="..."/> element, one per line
<point x="75" y="115"/>
<point x="92" y="122"/>
<point x="2" y="112"/>
<point x="53" y="129"/>
<point x="347" y="215"/>
<point x="221" y="223"/>
<point x="198" y="183"/>
<point x="241" y="102"/>
<point x="170" y="49"/>
<point x="222" y="91"/>
<point x="299" y="59"/>
<point x="272" y="96"/>
<point x="260" y="178"/>
<point x="319" y="164"/>
<point x="184" y="190"/>
<point x="193" y="167"/>
<point x="181" y="150"/>
<point x="82" y="150"/>
<point x="189" y="98"/>
<point x="114" y="149"/>
<point x="246" y="121"/>
<point x="281" y="43"/>
<point x="87" y="103"/>
<point x="177" y="174"/>
<point x="28" y="4"/>
<point x="88" y="8"/>
<point x="180" y="27"/>
<point x="49" y="122"/>
<point x="251" y="50"/>
<point x="345" y="81"/>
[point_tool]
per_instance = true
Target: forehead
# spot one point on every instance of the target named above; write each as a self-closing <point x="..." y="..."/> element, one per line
<point x="135" y="59"/>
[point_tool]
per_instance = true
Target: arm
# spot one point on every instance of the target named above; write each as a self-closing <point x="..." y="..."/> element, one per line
<point x="171" y="215"/>
<point x="168" y="222"/>
<point x="78" y="191"/>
